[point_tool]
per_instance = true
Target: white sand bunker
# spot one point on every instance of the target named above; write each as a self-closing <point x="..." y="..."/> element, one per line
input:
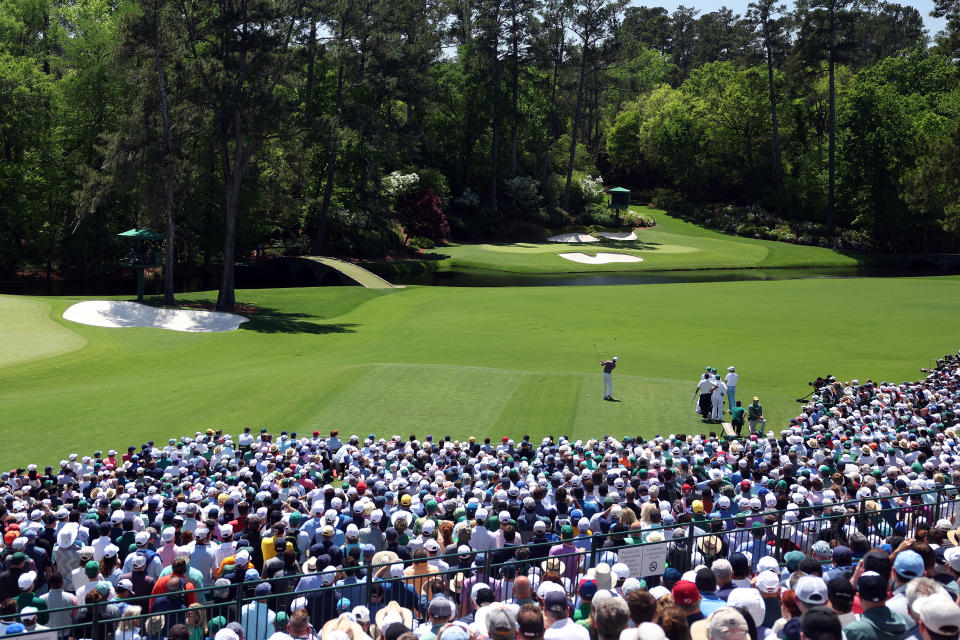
<point x="114" y="313"/>
<point x="572" y="238"/>
<point x="613" y="235"/>
<point x="600" y="258"/>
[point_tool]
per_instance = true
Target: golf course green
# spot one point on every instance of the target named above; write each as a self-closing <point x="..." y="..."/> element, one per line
<point x="458" y="361"/>
<point x="672" y="244"/>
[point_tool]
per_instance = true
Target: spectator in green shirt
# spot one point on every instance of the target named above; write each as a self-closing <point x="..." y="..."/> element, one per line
<point x="755" y="415"/>
<point x="737" y="419"/>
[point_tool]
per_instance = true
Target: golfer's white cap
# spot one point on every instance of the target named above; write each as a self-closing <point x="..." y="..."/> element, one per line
<point x="614" y="357"/>
<point x="729" y="368"/>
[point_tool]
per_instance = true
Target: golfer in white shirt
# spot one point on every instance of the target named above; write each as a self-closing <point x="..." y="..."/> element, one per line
<point x="731" y="381"/>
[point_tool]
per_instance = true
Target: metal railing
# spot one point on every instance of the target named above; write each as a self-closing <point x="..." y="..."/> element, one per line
<point x="684" y="545"/>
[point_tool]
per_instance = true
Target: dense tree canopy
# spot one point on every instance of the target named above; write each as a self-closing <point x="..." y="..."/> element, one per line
<point x="238" y="127"/>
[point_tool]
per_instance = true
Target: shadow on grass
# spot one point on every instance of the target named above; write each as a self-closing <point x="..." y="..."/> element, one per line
<point x="267" y="319"/>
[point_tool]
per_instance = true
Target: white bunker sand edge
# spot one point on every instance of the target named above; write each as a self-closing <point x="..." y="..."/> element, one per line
<point x="117" y="313"/>
<point x="600" y="258"/>
<point x="622" y="236"/>
<point x="573" y="238"/>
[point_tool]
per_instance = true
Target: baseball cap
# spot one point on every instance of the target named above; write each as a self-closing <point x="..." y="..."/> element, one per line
<point x="650" y="631"/>
<point x="587" y="588"/>
<point x="842" y="555"/>
<point x="839" y="589"/>
<point x="872" y="587"/>
<point x="768" y="582"/>
<point x="952" y="557"/>
<point x="726" y="623"/>
<point x="821" y="623"/>
<point x="685" y="593"/>
<point x="908" y="564"/>
<point x="26" y="580"/>
<point x="555" y="602"/>
<point x="811" y="590"/>
<point x="501" y="625"/>
<point x="937" y="612"/>
<point x="440" y="607"/>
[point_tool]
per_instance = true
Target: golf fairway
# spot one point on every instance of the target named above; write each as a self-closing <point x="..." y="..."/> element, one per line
<point x="485" y="362"/>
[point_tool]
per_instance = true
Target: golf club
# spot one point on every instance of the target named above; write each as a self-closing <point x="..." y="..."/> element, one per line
<point x="597" y="351"/>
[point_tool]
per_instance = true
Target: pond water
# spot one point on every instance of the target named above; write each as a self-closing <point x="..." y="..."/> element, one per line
<point x="474" y="278"/>
<point x="489" y="278"/>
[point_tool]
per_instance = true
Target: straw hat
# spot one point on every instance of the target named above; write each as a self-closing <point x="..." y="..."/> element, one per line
<point x="384" y="557"/>
<point x="709" y="545"/>
<point x="348" y="626"/>
<point x="553" y="564"/>
<point x="954" y="537"/>
<point x="456" y="583"/>
<point x="310" y="566"/>
<point x="404" y="614"/>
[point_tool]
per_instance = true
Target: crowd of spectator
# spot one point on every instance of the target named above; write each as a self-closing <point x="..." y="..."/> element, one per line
<point x="842" y="526"/>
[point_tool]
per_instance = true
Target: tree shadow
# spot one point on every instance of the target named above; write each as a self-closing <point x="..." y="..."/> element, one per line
<point x="267" y="319"/>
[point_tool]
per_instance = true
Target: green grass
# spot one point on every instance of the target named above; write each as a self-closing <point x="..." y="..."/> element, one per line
<point x="29" y="333"/>
<point x="672" y="244"/>
<point x="460" y="361"/>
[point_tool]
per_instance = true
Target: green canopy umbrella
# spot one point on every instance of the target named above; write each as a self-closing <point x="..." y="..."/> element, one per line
<point x="142" y="234"/>
<point x="619" y="198"/>
<point x="141" y="258"/>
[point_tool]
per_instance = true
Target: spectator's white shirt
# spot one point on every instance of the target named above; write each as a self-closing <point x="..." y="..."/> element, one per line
<point x="566" y="629"/>
<point x="482" y="540"/>
<point x="99" y="545"/>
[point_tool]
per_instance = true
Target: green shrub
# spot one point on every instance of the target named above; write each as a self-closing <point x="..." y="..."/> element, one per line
<point x="750" y="230"/>
<point x="419" y="242"/>
<point x="599" y="214"/>
<point x="524" y="194"/>
<point x="672" y="202"/>
<point x="525" y="231"/>
<point x="637" y="219"/>
<point x="783" y="233"/>
<point x="574" y="228"/>
<point x="431" y="178"/>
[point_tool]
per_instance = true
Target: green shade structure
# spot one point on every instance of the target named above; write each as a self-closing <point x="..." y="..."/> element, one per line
<point x="142" y="234"/>
<point x="619" y="198"/>
<point x="141" y="257"/>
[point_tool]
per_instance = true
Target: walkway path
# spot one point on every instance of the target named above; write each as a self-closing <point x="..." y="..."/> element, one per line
<point x="355" y="272"/>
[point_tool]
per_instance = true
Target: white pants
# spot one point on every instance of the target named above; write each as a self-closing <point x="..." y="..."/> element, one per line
<point x="607" y="384"/>
<point x="716" y="411"/>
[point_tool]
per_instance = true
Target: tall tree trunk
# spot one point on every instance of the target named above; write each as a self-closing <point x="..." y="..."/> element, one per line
<point x="495" y="146"/>
<point x="233" y="171"/>
<point x="321" y="232"/>
<point x="311" y="59"/>
<point x="515" y="106"/>
<point x="576" y="125"/>
<point x="778" y="164"/>
<point x="169" y="253"/>
<point x="831" y="166"/>
<point x="551" y="113"/>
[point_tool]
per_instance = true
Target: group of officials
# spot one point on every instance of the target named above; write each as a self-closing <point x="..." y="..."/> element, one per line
<point x="709" y="395"/>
